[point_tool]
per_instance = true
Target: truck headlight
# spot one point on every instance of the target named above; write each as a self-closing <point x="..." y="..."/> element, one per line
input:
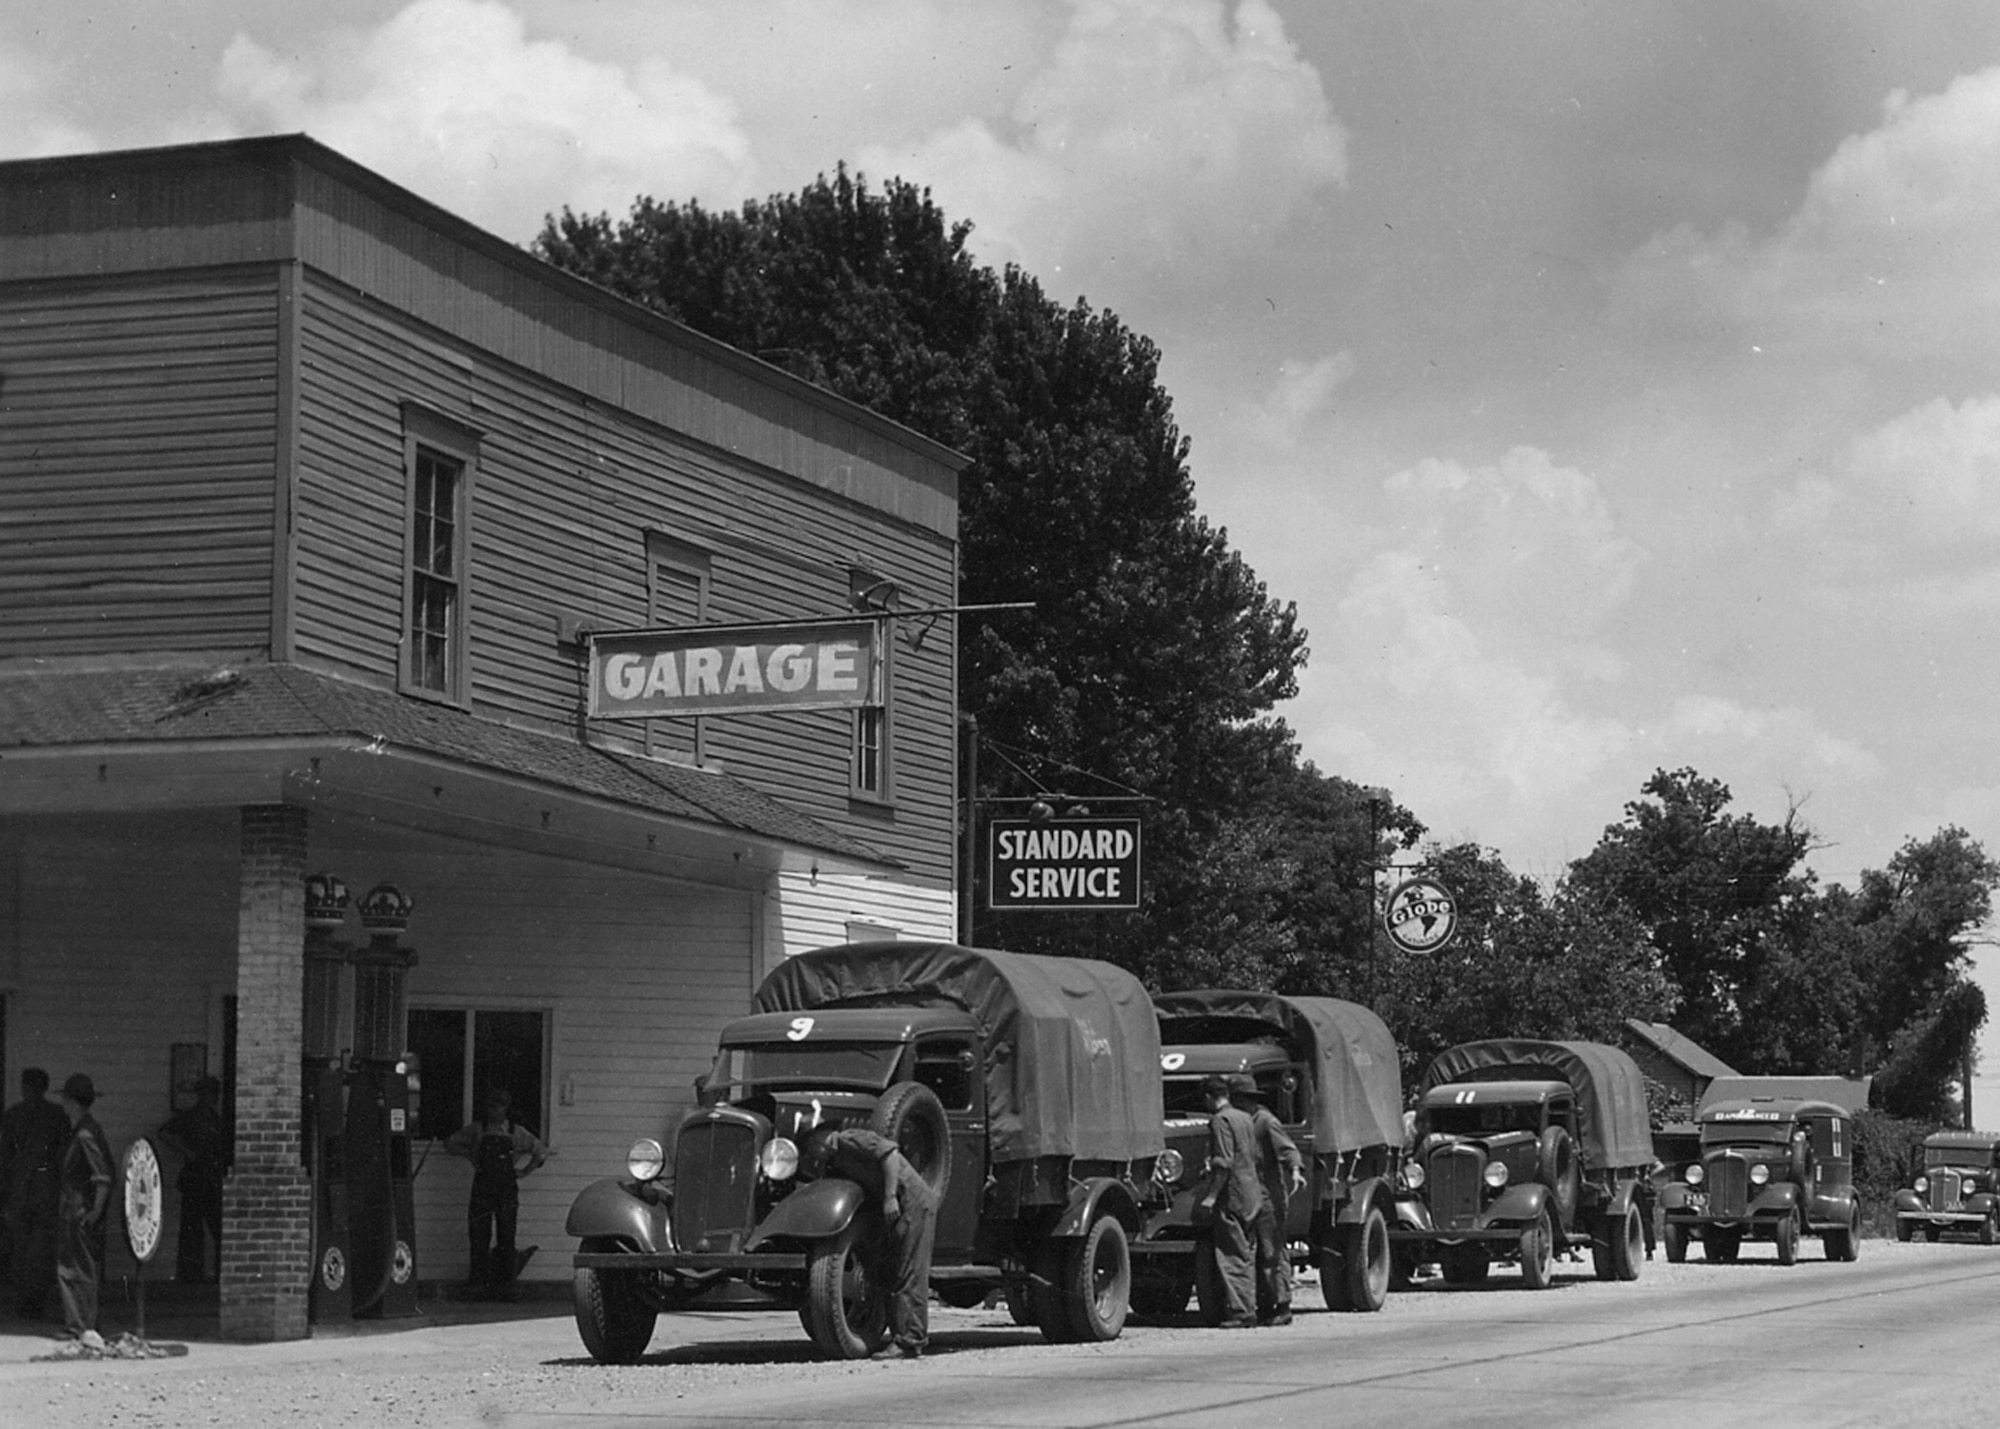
<point x="1760" y="1174"/>
<point x="1168" y="1167"/>
<point x="1495" y="1174"/>
<point x="1921" y="1185"/>
<point x="1413" y="1175"/>
<point x="645" y="1161"/>
<point x="779" y="1160"/>
<point x="1695" y="1173"/>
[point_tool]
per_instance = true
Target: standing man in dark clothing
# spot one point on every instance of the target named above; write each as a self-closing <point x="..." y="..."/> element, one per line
<point x="501" y="1151"/>
<point x="1281" y="1171"/>
<point x="33" y="1133"/>
<point x="201" y="1139"/>
<point x="86" y="1196"/>
<point x="909" y="1221"/>
<point x="1232" y="1169"/>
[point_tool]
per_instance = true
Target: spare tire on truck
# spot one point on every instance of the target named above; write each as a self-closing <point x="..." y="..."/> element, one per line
<point x="910" y="1115"/>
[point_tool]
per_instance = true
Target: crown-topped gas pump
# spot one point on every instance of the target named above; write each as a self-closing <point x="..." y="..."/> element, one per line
<point x="381" y="1090"/>
<point x="323" y="1101"/>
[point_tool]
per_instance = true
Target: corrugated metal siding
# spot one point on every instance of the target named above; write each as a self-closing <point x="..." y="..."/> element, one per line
<point x="564" y="494"/>
<point x="137" y="434"/>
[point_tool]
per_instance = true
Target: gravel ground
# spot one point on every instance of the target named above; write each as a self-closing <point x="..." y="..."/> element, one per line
<point x="530" y="1361"/>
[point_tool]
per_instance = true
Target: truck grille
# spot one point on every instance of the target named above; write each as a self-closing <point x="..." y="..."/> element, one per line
<point x="1728" y="1185"/>
<point x="1454" y="1179"/>
<point x="715" y="1185"/>
<point x="1947" y="1191"/>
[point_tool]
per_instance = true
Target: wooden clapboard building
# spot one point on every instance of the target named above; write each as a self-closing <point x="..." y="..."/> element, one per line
<point x="310" y="494"/>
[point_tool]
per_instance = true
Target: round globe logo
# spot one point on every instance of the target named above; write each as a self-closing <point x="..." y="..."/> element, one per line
<point x="1420" y="916"/>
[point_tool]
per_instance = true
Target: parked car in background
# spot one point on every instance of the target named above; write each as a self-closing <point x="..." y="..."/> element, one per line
<point x="1776" y="1168"/>
<point x="1524" y="1149"/>
<point x="1025" y="1089"/>
<point x="1958" y="1189"/>
<point x="1328" y="1071"/>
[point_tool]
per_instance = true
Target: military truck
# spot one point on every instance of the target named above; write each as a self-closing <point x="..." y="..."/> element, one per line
<point x="1024" y="1088"/>
<point x="1774" y="1166"/>
<point x="1328" y="1071"/>
<point x="1958" y="1189"/>
<point x="1526" y="1149"/>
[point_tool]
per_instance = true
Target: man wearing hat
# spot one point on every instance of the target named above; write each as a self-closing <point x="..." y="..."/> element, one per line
<point x="1281" y="1171"/>
<point x="86" y="1196"/>
<point x="32" y="1136"/>
<point x="1232" y="1169"/>
<point x="908" y="1208"/>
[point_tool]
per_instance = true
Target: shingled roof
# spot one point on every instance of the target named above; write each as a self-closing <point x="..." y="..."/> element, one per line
<point x="52" y="709"/>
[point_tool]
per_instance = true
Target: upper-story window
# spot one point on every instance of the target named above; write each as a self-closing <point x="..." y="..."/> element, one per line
<point x="439" y="460"/>
<point x="872" y="763"/>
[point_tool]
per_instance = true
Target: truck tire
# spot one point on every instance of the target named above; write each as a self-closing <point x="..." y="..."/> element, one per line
<point x="1786" y="1234"/>
<point x="1676" y="1237"/>
<point x="1356" y="1276"/>
<point x="1989" y="1229"/>
<point x="1538" y="1253"/>
<point x="612" y="1314"/>
<point x="845" y="1313"/>
<point x="1096" y="1282"/>
<point x="1558" y="1169"/>
<point x="1628" y="1246"/>
<point x="1844" y="1243"/>
<point x="910" y="1115"/>
<point x="1020" y="1304"/>
<point x="1905" y="1229"/>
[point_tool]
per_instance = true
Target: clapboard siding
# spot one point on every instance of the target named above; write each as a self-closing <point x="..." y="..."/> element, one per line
<point x="137" y="451"/>
<point x="565" y="492"/>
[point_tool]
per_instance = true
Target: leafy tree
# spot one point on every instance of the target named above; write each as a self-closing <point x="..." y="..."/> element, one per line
<point x="1711" y="889"/>
<point x="1154" y="656"/>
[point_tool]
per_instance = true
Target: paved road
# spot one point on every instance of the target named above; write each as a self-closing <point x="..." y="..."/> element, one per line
<point x="1906" y="1335"/>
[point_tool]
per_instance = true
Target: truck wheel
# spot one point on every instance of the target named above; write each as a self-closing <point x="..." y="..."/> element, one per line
<point x="1538" y="1253"/>
<point x="1559" y="1171"/>
<point x="1989" y="1229"/>
<point x="1020" y="1304"/>
<point x="612" y="1314"/>
<point x="1096" y="1281"/>
<point x="1628" y="1246"/>
<point x="1786" y="1234"/>
<point x="910" y="1115"/>
<point x="1464" y="1264"/>
<point x="1845" y="1243"/>
<point x="845" y="1311"/>
<point x="1676" y="1237"/>
<point x="1931" y="1233"/>
<point x="1905" y="1229"/>
<point x="1356" y="1276"/>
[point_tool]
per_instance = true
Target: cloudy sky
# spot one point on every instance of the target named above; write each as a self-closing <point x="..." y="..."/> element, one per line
<point x="1611" y="386"/>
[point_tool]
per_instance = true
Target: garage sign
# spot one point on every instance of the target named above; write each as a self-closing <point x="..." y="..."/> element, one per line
<point x="720" y="669"/>
<point x="1067" y="864"/>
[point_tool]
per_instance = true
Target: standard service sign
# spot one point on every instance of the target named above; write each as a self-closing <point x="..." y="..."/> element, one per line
<point x="1067" y="864"/>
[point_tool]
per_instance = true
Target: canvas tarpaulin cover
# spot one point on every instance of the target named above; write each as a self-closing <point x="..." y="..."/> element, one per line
<point x="1072" y="1047"/>
<point x="1610" y="1089"/>
<point x="1358" y="1096"/>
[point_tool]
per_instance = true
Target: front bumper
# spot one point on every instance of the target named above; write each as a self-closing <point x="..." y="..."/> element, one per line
<point x="691" y="1264"/>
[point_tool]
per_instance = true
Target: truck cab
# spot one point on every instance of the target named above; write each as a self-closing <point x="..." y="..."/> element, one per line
<point x="1772" y="1168"/>
<point x="1957" y="1190"/>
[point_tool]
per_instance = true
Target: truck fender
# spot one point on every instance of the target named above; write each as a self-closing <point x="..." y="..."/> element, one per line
<point x="1412" y="1215"/>
<point x="817" y="1210"/>
<point x="1622" y="1196"/>
<point x="1366" y="1192"/>
<point x="1776" y="1199"/>
<point x="609" y="1210"/>
<point x="1522" y="1202"/>
<point x="1677" y="1196"/>
<point x="1910" y="1201"/>
<point x="1088" y="1198"/>
<point x="1983" y="1202"/>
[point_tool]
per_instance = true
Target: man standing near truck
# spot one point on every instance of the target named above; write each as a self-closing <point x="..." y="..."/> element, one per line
<point x="1281" y="1172"/>
<point x="1236" y="1197"/>
<point x="909" y="1223"/>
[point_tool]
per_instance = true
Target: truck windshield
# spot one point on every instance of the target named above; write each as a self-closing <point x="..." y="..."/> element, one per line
<point x="1746" y="1133"/>
<point x="1485" y="1118"/>
<point x="802" y="1066"/>
<point x="1958" y="1156"/>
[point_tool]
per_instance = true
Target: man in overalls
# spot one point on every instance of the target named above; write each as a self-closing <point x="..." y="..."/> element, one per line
<point x="87" y="1170"/>
<point x="1237" y="1198"/>
<point x="909" y="1210"/>
<point x="495" y="1145"/>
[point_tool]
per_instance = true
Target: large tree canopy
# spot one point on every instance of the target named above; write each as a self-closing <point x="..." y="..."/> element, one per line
<point x="1154" y="657"/>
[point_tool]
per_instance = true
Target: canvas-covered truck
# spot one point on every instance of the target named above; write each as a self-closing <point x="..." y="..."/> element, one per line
<point x="1957" y="1189"/>
<point x="1328" y="1071"/>
<point x="1525" y="1149"/>
<point x="1774" y="1166"/>
<point x="1024" y="1088"/>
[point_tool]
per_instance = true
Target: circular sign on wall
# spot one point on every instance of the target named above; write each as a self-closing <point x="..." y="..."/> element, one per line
<point x="1420" y="916"/>
<point x="145" y="1208"/>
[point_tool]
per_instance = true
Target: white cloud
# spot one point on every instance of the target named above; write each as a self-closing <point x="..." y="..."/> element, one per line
<point x="453" y="99"/>
<point x="30" y="121"/>
<point x="1158" y="133"/>
<point x="1725" y="733"/>
<point x="1941" y="465"/>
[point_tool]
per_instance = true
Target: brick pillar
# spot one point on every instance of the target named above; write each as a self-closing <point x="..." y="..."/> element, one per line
<point x="267" y="1200"/>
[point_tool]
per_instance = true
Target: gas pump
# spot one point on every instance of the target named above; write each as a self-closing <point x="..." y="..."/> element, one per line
<point x="381" y="1083"/>
<point x="323" y="1103"/>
